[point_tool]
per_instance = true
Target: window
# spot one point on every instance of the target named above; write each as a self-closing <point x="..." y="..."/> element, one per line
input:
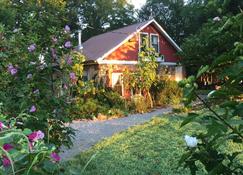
<point x="154" y="40"/>
<point x="143" y="41"/>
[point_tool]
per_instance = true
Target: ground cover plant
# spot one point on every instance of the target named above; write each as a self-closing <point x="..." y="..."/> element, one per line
<point x="153" y="148"/>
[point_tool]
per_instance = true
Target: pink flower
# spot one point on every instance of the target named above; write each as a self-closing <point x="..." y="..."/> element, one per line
<point x="68" y="44"/>
<point x="7" y="147"/>
<point x="37" y="135"/>
<point x="65" y="86"/>
<point x="33" y="109"/>
<point x="67" y="28"/>
<point x="55" y="157"/>
<point x="69" y="60"/>
<point x="54" y="40"/>
<point x="32" y="48"/>
<point x="2" y="126"/>
<point x="6" y="161"/>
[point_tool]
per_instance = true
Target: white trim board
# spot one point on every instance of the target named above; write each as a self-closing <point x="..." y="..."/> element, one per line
<point x="124" y="62"/>
<point x="117" y="62"/>
<point x="138" y="30"/>
<point x="154" y="34"/>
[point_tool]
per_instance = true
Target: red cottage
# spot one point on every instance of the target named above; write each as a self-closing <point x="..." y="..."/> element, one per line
<point x="109" y="54"/>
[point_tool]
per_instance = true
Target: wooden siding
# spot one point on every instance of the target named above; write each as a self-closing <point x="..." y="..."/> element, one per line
<point x="129" y="50"/>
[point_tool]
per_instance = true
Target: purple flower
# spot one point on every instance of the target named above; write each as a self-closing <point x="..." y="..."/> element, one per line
<point x="37" y="91"/>
<point x="37" y="135"/>
<point x="29" y="76"/>
<point x="67" y="28"/>
<point x="33" y="109"/>
<point x="68" y="44"/>
<point x="55" y="157"/>
<point x="72" y="76"/>
<point x="10" y="67"/>
<point x="69" y="60"/>
<point x="65" y="86"/>
<point x="53" y="53"/>
<point x="7" y="147"/>
<point x="40" y="135"/>
<point x="32" y="48"/>
<point x="12" y="70"/>
<point x="6" y="161"/>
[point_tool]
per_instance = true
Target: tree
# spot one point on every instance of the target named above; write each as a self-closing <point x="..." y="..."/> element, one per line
<point x="100" y="16"/>
<point x="179" y="19"/>
<point x="144" y="75"/>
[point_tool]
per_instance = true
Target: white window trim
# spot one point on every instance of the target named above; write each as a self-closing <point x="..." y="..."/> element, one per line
<point x="139" y="42"/>
<point x="154" y="34"/>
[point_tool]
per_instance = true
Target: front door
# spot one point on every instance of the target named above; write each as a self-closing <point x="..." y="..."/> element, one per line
<point x="117" y="83"/>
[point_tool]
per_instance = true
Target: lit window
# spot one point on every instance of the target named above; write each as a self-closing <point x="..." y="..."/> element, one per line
<point x="155" y="42"/>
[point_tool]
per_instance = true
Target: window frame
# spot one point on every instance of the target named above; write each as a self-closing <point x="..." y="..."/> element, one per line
<point x="154" y="34"/>
<point x="143" y="33"/>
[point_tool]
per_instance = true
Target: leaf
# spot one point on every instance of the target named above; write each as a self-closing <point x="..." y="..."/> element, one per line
<point x="189" y="118"/>
<point x="235" y="122"/>
<point x="184" y="157"/>
<point x="202" y="70"/>
<point x="27" y="131"/>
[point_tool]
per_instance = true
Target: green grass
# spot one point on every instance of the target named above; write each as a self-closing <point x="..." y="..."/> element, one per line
<point x="150" y="149"/>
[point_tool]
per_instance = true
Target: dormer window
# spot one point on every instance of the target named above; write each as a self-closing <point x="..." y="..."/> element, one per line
<point x="143" y="41"/>
<point x="154" y="40"/>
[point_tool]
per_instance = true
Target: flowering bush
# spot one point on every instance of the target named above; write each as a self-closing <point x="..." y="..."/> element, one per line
<point x="222" y="120"/>
<point x="38" y="77"/>
<point x="24" y="151"/>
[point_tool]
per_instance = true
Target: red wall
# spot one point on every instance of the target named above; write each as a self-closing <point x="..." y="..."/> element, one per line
<point x="129" y="50"/>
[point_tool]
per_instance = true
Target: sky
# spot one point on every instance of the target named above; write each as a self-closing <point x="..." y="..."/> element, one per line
<point x="137" y="3"/>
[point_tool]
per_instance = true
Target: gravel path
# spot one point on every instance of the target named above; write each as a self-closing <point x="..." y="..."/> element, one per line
<point x="89" y="133"/>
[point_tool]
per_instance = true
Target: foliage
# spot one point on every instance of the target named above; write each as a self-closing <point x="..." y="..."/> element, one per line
<point x="144" y="75"/>
<point x="224" y="122"/>
<point x="140" y="103"/>
<point x="166" y="92"/>
<point x="91" y="102"/>
<point x="36" y="78"/>
<point x="203" y="47"/>
<point x="151" y="148"/>
<point x="183" y="18"/>
<point x="24" y="151"/>
<point x="99" y="16"/>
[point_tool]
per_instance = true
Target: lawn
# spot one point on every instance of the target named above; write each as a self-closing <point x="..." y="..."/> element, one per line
<point x="150" y="149"/>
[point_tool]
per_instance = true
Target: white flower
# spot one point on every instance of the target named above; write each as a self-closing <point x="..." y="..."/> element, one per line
<point x="211" y="93"/>
<point x="191" y="141"/>
<point x="216" y="19"/>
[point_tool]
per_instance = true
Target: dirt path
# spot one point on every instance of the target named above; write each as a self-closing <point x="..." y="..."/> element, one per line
<point x="89" y="133"/>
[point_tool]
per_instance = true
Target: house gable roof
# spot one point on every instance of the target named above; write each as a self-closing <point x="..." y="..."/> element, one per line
<point x="100" y="46"/>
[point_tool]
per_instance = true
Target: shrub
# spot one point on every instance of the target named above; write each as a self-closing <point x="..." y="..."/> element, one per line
<point x="24" y="151"/>
<point x="110" y="98"/>
<point x="166" y="92"/>
<point x="140" y="103"/>
<point x="39" y="79"/>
